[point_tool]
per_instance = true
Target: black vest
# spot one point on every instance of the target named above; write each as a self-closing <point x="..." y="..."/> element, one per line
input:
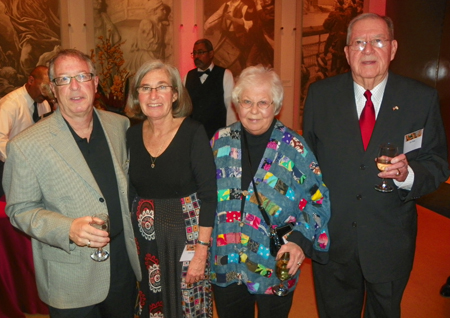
<point x="207" y="99"/>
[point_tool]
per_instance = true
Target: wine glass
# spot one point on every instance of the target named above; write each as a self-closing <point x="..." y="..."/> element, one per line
<point x="283" y="275"/>
<point x="386" y="152"/>
<point x="100" y="255"/>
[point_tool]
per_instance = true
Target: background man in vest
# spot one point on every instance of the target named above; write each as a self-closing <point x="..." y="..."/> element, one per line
<point x="210" y="89"/>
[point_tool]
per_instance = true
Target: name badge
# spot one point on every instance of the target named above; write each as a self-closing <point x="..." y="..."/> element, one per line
<point x="413" y="141"/>
<point x="188" y="253"/>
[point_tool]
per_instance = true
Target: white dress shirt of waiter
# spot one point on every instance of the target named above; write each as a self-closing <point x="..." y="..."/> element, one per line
<point x="17" y="108"/>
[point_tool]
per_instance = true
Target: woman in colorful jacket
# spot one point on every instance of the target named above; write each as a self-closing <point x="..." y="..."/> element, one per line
<point x="289" y="183"/>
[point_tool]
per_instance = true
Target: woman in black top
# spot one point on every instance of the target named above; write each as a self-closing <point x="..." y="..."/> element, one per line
<point x="173" y="194"/>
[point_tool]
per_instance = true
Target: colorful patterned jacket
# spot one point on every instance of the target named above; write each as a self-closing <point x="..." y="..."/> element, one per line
<point x="290" y="184"/>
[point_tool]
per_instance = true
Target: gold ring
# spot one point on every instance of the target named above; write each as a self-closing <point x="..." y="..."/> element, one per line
<point x="398" y="173"/>
<point x="88" y="244"/>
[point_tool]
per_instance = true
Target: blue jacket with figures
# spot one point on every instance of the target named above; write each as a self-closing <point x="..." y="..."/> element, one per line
<point x="289" y="182"/>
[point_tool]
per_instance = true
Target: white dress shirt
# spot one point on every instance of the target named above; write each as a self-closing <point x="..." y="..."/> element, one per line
<point x="377" y="98"/>
<point x="16" y="114"/>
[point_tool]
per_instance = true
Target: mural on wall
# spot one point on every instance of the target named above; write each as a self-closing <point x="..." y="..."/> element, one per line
<point x="128" y="33"/>
<point x="324" y="37"/>
<point x="29" y="36"/>
<point x="241" y="32"/>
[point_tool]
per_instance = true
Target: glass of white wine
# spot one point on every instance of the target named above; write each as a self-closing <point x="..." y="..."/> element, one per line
<point x="283" y="275"/>
<point x="100" y="254"/>
<point x="386" y="152"/>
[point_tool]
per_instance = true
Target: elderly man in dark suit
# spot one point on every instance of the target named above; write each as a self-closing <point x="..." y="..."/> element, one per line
<point x="346" y="118"/>
<point x="59" y="173"/>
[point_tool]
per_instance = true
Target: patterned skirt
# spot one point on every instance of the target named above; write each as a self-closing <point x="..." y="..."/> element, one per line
<point x="162" y="229"/>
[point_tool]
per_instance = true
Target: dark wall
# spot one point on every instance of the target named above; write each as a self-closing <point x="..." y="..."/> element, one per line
<point x="422" y="29"/>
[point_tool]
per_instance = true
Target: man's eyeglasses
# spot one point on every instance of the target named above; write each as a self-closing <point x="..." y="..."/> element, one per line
<point x="198" y="53"/>
<point x="262" y="104"/>
<point x="359" y="45"/>
<point x="158" y="89"/>
<point x="65" y="80"/>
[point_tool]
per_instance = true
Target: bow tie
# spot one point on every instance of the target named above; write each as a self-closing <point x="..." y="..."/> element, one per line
<point x="207" y="72"/>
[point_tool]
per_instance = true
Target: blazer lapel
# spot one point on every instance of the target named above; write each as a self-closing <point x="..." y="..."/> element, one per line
<point x="346" y="114"/>
<point x="65" y="146"/>
<point x="116" y="146"/>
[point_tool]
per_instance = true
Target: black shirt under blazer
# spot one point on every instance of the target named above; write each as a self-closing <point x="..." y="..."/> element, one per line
<point x="381" y="226"/>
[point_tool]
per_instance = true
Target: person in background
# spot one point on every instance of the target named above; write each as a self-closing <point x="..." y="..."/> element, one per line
<point x="59" y="173"/>
<point x="21" y="108"/>
<point x="230" y="21"/>
<point x="173" y="194"/>
<point x="347" y="117"/>
<point x="210" y="87"/>
<point x="260" y="151"/>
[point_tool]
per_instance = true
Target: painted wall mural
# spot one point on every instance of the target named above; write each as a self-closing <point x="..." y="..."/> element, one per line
<point x="241" y="31"/>
<point x="30" y="36"/>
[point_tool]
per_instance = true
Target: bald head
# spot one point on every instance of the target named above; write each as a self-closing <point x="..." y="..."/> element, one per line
<point x="37" y="80"/>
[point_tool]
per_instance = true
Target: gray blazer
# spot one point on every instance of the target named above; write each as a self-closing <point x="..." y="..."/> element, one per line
<point x="48" y="184"/>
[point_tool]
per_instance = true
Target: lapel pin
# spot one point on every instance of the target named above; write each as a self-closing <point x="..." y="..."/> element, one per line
<point x="395" y="108"/>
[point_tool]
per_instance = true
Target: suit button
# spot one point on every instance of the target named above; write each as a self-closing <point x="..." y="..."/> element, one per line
<point x="101" y="200"/>
<point x="362" y="167"/>
<point x="353" y="224"/>
<point x="359" y="197"/>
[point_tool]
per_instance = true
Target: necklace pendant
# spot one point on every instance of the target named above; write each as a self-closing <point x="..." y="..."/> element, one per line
<point x="152" y="165"/>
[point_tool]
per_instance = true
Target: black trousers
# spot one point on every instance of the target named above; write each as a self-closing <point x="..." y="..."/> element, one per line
<point x="234" y="301"/>
<point x="122" y="296"/>
<point x="341" y="290"/>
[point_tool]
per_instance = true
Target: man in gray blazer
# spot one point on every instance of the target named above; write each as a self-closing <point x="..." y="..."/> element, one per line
<point x="59" y="173"/>
<point x="373" y="233"/>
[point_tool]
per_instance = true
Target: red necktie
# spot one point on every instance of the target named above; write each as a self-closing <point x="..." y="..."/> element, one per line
<point x="367" y="119"/>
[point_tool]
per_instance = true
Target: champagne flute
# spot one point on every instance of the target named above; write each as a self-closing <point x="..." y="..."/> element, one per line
<point x="386" y="152"/>
<point x="100" y="255"/>
<point x="283" y="275"/>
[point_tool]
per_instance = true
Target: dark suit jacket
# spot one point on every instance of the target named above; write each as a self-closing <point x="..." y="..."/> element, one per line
<point x="380" y="226"/>
<point x="48" y="184"/>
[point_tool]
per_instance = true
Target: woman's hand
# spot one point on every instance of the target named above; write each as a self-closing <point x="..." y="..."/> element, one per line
<point x="296" y="256"/>
<point x="196" y="270"/>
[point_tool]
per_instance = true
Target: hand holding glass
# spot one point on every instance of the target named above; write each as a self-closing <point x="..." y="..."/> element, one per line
<point x="100" y="255"/>
<point x="283" y="275"/>
<point x="385" y="153"/>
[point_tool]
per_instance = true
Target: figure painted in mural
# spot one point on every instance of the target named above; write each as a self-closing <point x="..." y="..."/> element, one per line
<point x="37" y="26"/>
<point x="230" y="22"/>
<point x="103" y="26"/>
<point x="9" y="41"/>
<point x="336" y="24"/>
<point x="261" y="33"/>
<point x="150" y="42"/>
<point x="173" y="194"/>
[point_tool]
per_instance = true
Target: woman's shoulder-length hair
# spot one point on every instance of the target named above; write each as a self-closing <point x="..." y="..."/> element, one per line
<point x="182" y="107"/>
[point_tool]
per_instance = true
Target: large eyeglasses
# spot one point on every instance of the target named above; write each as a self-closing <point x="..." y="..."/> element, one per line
<point x="198" y="53"/>
<point x="359" y="45"/>
<point x="262" y="104"/>
<point x="158" y="89"/>
<point x="65" y="80"/>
